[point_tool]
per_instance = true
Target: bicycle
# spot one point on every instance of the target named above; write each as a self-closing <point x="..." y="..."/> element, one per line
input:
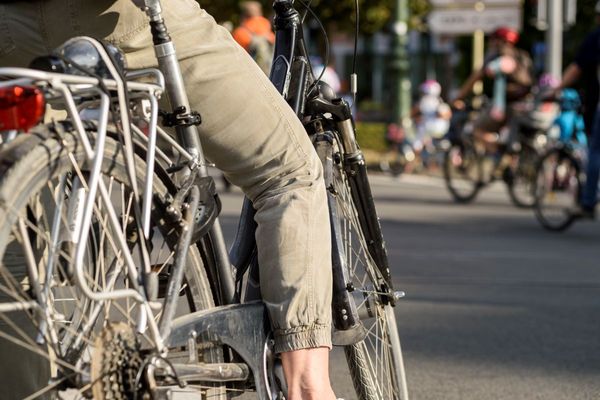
<point x="467" y="169"/>
<point x="399" y="155"/>
<point x="114" y="270"/>
<point x="559" y="172"/>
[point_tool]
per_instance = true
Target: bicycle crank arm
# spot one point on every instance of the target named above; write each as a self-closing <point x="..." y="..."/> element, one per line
<point x="205" y="372"/>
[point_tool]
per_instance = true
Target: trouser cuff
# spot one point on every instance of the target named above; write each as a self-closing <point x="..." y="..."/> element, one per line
<point x="305" y="337"/>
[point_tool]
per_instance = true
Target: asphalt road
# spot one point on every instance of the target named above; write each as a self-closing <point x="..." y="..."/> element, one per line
<point x="496" y="307"/>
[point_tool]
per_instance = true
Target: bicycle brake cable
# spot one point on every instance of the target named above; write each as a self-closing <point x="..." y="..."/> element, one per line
<point x="307" y="6"/>
<point x="354" y="75"/>
<point x="326" y="38"/>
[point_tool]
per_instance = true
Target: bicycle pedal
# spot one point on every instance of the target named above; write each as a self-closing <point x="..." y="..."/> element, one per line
<point x="398" y="295"/>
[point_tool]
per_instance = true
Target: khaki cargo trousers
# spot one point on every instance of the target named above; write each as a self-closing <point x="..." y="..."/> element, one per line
<point x="248" y="131"/>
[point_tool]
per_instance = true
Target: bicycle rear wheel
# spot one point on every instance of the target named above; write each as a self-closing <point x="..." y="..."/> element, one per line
<point x="376" y="364"/>
<point x="557" y="189"/>
<point x="463" y="171"/>
<point x="61" y="347"/>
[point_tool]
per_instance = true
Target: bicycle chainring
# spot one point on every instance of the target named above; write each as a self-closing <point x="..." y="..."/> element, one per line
<point x="116" y="362"/>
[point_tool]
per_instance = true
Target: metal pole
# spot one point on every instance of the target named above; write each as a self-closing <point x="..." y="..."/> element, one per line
<point x="402" y="98"/>
<point x="554" y="39"/>
<point x="478" y="54"/>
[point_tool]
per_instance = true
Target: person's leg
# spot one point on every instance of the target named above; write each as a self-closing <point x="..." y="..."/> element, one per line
<point x="590" y="190"/>
<point x="253" y="136"/>
<point x="308" y="366"/>
<point x="485" y="132"/>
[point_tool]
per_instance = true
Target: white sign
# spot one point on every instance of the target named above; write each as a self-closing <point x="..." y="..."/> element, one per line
<point x="465" y="21"/>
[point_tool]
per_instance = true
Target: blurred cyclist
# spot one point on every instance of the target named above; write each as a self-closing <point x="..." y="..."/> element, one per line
<point x="511" y="70"/>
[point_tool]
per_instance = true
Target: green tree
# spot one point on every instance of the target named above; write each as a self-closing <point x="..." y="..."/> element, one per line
<point x="375" y="14"/>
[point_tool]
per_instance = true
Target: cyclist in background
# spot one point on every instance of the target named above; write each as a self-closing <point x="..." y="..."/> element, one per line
<point x="586" y="66"/>
<point x="511" y="70"/>
<point x="248" y="131"/>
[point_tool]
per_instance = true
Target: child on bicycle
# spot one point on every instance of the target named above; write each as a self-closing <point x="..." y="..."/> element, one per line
<point x="432" y="121"/>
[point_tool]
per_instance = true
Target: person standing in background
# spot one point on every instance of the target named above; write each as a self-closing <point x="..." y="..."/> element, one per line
<point x="584" y="69"/>
<point x="587" y="68"/>
<point x="255" y="34"/>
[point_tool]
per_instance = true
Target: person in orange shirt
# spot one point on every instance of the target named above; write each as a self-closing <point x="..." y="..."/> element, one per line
<point x="255" y="34"/>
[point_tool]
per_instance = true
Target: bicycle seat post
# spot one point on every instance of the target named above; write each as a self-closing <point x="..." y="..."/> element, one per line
<point x="164" y="49"/>
<point x="187" y="132"/>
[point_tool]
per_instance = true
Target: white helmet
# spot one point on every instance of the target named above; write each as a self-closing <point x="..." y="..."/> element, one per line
<point x="430" y="88"/>
<point x="597" y="8"/>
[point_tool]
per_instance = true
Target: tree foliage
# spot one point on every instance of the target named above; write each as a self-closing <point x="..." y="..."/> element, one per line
<point x="375" y="15"/>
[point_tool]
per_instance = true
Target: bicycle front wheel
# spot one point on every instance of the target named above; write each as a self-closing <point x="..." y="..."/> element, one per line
<point x="521" y="177"/>
<point x="393" y="163"/>
<point x="557" y="189"/>
<point x="60" y="341"/>
<point x="376" y="364"/>
<point x="463" y="171"/>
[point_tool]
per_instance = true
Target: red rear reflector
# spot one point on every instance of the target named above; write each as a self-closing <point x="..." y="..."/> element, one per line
<point x="21" y="107"/>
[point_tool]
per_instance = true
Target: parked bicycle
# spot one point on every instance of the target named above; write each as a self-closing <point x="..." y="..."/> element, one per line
<point x="559" y="171"/>
<point x="114" y="277"/>
<point x="468" y="169"/>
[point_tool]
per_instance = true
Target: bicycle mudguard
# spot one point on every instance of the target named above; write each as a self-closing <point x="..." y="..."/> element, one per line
<point x="18" y="148"/>
<point x="369" y="221"/>
<point x="244" y="244"/>
<point x="348" y="328"/>
<point x="209" y="207"/>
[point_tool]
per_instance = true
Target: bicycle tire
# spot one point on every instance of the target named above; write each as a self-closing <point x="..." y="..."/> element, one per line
<point x="376" y="364"/>
<point x="392" y="164"/>
<point x="463" y="172"/>
<point x="557" y="189"/>
<point x="30" y="172"/>
<point x="521" y="183"/>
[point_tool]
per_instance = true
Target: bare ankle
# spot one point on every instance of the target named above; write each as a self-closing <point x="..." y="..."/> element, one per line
<point x="313" y="394"/>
